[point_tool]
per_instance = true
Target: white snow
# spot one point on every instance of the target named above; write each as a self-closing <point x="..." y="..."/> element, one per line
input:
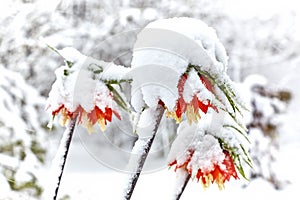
<point x="189" y="32"/>
<point x="146" y="123"/>
<point x="9" y="161"/>
<point x="184" y="140"/>
<point x="181" y="176"/>
<point x="158" y="62"/>
<point x="94" y="180"/>
<point x="207" y="154"/>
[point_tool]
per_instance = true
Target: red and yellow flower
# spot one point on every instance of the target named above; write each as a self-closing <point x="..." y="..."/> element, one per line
<point x="192" y="108"/>
<point x="219" y="173"/>
<point x="87" y="118"/>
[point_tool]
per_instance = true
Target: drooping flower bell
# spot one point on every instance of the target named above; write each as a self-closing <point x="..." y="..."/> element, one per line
<point x="80" y="91"/>
<point x="219" y="172"/>
<point x="206" y="155"/>
<point x="87" y="118"/>
<point x="168" y="72"/>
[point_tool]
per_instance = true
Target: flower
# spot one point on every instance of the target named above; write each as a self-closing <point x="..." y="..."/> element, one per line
<point x="193" y="107"/>
<point x="219" y="172"/>
<point x="87" y="118"/>
<point x="91" y="101"/>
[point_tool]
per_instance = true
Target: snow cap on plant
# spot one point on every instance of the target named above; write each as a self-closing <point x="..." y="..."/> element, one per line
<point x="181" y="63"/>
<point x="209" y="154"/>
<point x="83" y="88"/>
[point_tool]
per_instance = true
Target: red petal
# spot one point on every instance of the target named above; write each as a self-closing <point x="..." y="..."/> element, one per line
<point x="117" y="115"/>
<point x="199" y="174"/>
<point x="230" y="168"/>
<point x="92" y="116"/>
<point x="178" y="111"/>
<point x="160" y="102"/>
<point x="215" y="173"/>
<point x="79" y="110"/>
<point x="108" y="114"/>
<point x="95" y="115"/>
<point x="55" y="112"/>
<point x="181" y="84"/>
<point x="203" y="107"/>
<point x="195" y="104"/>
<point x="206" y="82"/>
<point x="173" y="163"/>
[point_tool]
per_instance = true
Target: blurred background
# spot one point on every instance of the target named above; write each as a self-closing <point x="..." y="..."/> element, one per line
<point x="262" y="41"/>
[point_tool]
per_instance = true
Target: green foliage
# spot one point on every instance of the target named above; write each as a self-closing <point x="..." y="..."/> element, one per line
<point x="18" y="150"/>
<point x="38" y="150"/>
<point x="31" y="185"/>
<point x="15" y="149"/>
<point x="65" y="197"/>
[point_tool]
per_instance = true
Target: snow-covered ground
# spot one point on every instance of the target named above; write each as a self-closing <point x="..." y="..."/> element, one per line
<point x="93" y="169"/>
<point x="88" y="179"/>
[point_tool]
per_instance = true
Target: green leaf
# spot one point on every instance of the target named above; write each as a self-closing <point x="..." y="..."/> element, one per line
<point x="236" y="156"/>
<point x="241" y="170"/>
<point x="117" y="98"/>
<point x="248" y="159"/>
<point x="238" y="130"/>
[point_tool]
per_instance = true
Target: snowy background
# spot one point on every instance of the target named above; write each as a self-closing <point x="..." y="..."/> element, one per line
<point x="261" y="37"/>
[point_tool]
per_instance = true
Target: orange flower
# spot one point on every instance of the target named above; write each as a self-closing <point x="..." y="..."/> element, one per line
<point x="219" y="173"/>
<point x="191" y="108"/>
<point x="87" y="119"/>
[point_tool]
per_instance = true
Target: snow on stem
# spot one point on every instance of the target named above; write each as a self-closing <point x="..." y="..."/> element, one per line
<point x="62" y="153"/>
<point x="181" y="183"/>
<point x="143" y="150"/>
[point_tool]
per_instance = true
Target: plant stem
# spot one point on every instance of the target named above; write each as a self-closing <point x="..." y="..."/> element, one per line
<point x="63" y="151"/>
<point x="142" y="157"/>
<point x="183" y="184"/>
